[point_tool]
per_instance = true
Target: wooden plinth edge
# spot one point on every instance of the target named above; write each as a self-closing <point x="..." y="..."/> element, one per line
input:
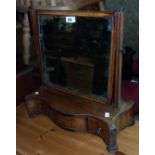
<point x="82" y="121"/>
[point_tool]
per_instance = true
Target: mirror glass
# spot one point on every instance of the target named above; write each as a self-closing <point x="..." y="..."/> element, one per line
<point x="76" y="52"/>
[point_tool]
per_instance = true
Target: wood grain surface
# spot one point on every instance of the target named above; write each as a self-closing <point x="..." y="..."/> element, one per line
<point x="40" y="136"/>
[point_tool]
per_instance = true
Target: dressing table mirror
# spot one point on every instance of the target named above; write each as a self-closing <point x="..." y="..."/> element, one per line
<point x="79" y="59"/>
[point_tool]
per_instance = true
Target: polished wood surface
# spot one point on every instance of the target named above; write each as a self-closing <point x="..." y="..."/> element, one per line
<point x="40" y="136"/>
<point x="71" y="103"/>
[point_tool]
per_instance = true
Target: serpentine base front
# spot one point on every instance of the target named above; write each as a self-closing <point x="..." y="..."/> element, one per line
<point x="77" y="114"/>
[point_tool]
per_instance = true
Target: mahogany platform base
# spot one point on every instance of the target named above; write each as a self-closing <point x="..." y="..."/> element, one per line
<point x="75" y="113"/>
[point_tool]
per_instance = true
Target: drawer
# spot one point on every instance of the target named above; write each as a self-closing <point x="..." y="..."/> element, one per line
<point x="68" y="122"/>
<point x="81" y="72"/>
<point x="99" y="128"/>
<point x="82" y="85"/>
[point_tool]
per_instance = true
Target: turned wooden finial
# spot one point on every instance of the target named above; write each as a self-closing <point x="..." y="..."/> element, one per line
<point x="26" y="38"/>
<point x="53" y="2"/>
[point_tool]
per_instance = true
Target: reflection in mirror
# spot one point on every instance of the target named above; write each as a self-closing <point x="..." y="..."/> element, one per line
<point x="76" y="52"/>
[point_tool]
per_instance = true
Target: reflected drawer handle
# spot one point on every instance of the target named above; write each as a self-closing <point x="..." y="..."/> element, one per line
<point x="99" y="131"/>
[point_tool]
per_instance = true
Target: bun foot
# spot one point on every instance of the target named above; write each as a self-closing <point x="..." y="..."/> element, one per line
<point x="112" y="145"/>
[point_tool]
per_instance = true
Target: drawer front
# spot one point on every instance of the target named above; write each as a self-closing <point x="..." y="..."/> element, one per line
<point x="68" y="122"/>
<point x="99" y="128"/>
<point x="80" y="72"/>
<point x="84" y="86"/>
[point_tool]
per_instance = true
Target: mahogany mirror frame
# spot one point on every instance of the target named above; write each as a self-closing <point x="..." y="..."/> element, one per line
<point x="84" y="113"/>
<point x="113" y="50"/>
